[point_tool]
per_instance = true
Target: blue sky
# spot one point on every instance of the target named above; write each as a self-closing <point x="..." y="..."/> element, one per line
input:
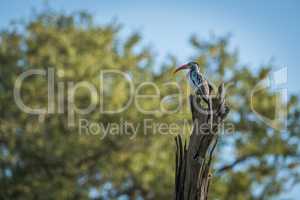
<point x="261" y="30"/>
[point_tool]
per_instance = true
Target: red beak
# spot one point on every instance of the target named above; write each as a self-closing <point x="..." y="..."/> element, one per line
<point x="185" y="66"/>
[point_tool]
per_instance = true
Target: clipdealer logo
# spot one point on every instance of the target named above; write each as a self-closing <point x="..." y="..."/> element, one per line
<point x="56" y="98"/>
<point x="276" y="82"/>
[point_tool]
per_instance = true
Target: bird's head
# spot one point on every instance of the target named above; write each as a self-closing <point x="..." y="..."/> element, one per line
<point x="190" y="66"/>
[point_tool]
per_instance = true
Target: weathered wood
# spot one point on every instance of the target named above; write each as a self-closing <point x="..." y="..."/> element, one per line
<point x="192" y="176"/>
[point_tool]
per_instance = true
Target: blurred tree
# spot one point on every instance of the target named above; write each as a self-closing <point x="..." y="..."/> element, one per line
<point x="42" y="157"/>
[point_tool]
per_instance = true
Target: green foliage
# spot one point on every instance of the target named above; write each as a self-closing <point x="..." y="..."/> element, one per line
<point x="43" y="158"/>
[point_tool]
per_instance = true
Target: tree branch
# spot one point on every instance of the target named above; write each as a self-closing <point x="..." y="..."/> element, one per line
<point x="192" y="178"/>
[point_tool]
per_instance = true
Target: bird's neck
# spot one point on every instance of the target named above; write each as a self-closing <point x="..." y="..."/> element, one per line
<point x="194" y="70"/>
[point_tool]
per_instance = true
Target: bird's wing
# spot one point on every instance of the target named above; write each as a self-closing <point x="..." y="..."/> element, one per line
<point x="210" y="88"/>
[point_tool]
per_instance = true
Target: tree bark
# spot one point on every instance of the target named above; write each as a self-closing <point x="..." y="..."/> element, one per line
<point x="192" y="176"/>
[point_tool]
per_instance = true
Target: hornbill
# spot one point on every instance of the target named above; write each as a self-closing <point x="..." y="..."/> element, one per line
<point x="199" y="85"/>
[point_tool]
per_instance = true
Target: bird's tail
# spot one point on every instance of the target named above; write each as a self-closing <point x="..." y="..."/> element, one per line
<point x="211" y="114"/>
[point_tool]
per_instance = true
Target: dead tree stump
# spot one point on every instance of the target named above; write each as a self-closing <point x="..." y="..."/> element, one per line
<point x="192" y="176"/>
